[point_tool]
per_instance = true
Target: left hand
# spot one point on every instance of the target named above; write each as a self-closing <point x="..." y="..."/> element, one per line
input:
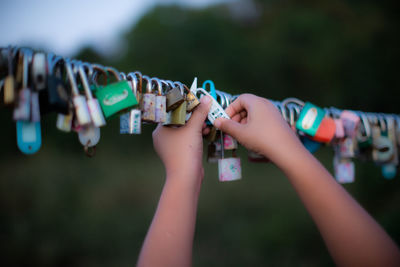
<point x="181" y="149"/>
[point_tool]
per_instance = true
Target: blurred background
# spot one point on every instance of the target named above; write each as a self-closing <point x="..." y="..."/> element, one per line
<point x="60" y="208"/>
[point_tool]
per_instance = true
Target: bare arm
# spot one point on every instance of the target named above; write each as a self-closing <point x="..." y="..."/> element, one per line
<point x="352" y="236"/>
<point x="170" y="237"/>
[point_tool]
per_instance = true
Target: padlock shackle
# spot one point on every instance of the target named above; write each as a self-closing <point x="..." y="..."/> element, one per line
<point x="99" y="69"/>
<point x="84" y="81"/>
<point x="159" y="85"/>
<point x="139" y="76"/>
<point x="113" y="71"/>
<point x="134" y="81"/>
<point x="148" y="84"/>
<point x="71" y="77"/>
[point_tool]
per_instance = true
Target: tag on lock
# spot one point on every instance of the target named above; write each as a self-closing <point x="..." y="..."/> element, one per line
<point x="130" y="123"/>
<point x="310" y="119"/>
<point x="29" y="137"/>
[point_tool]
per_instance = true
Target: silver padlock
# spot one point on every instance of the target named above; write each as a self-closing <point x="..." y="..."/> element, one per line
<point x="160" y="103"/>
<point x="96" y="114"/>
<point x="149" y="102"/>
<point x="79" y="101"/>
<point x="130" y="122"/>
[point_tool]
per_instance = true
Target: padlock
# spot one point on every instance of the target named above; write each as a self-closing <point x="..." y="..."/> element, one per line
<point x="191" y="98"/>
<point x="114" y="98"/>
<point x="229" y="169"/>
<point x="160" y="103"/>
<point x="347" y="147"/>
<point x="364" y="135"/>
<point x="389" y="171"/>
<point x="383" y="148"/>
<point x="344" y="170"/>
<point x="339" y="132"/>
<point x="64" y="122"/>
<point x="310" y="119"/>
<point x="178" y="116"/>
<point x="175" y="98"/>
<point x="9" y="81"/>
<point x="95" y="111"/>
<point x="311" y="145"/>
<point x="229" y="142"/>
<point x="39" y="71"/>
<point x="22" y="112"/>
<point x="79" y="101"/>
<point x="149" y="102"/>
<point x="56" y="97"/>
<point x="326" y="131"/>
<point x="35" y="108"/>
<point x="214" y="149"/>
<point x="130" y="122"/>
<point x="216" y="111"/>
<point x="350" y="122"/>
<point x="212" y="135"/>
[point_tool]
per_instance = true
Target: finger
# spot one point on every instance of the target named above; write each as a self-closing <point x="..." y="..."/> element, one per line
<point x="200" y="114"/>
<point x="233" y="128"/>
<point x="240" y="104"/>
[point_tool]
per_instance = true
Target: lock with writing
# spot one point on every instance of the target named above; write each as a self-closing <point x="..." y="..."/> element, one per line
<point x="117" y="97"/>
<point x="310" y="119"/>
<point x="131" y="122"/>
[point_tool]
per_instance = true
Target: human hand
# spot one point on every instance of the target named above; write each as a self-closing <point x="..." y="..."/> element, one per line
<point x="181" y="149"/>
<point x="257" y="124"/>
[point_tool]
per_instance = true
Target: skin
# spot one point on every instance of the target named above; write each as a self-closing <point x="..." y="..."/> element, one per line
<point x="352" y="236"/>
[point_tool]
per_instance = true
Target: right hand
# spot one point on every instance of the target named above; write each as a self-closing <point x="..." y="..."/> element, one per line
<point x="258" y="125"/>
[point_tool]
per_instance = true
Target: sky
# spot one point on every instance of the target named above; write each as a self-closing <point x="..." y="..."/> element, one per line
<point x="63" y="27"/>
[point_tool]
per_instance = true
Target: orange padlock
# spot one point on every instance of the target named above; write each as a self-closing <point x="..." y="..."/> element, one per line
<point x="326" y="131"/>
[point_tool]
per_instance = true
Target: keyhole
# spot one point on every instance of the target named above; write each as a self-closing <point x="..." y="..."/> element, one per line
<point x="39" y="78"/>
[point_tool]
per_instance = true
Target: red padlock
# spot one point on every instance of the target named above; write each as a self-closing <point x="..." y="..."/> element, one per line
<point x="326" y="131"/>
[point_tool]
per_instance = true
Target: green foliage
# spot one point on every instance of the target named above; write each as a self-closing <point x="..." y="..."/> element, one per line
<point x="60" y="208"/>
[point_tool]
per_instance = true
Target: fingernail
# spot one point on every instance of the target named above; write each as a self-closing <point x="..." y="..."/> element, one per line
<point x="205" y="99"/>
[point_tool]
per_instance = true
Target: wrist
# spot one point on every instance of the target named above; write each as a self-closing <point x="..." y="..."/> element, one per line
<point x="185" y="179"/>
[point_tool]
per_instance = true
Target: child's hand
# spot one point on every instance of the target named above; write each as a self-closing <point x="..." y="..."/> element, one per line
<point x="259" y="126"/>
<point x="181" y="149"/>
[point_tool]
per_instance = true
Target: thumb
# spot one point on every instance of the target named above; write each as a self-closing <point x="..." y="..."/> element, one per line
<point x="199" y="115"/>
<point x="230" y="127"/>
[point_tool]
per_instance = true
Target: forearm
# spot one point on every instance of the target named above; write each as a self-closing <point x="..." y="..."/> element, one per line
<point x="352" y="236"/>
<point x="170" y="237"/>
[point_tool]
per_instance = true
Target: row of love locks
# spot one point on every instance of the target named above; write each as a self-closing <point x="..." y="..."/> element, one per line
<point x="85" y="96"/>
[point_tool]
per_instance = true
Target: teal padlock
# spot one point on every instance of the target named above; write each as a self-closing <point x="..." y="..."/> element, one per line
<point x="115" y="98"/>
<point x="310" y="118"/>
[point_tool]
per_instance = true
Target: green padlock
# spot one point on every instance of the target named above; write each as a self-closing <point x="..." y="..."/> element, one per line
<point x="115" y="98"/>
<point x="310" y="118"/>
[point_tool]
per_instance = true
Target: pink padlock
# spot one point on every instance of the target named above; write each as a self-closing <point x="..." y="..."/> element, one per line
<point x="350" y="122"/>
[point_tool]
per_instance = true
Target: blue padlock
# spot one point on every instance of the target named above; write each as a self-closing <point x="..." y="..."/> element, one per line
<point x="212" y="92"/>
